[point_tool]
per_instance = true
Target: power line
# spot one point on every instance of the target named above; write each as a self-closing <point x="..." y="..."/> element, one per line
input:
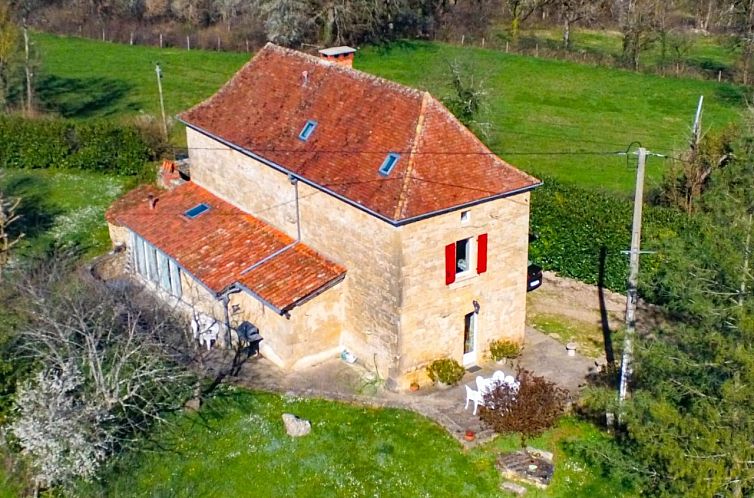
<point x="435" y="153"/>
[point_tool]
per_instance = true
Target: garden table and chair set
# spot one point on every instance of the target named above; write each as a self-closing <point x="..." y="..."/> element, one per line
<point x="486" y="386"/>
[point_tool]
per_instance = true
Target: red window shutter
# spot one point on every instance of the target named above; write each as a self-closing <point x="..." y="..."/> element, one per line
<point x="481" y="258"/>
<point x="450" y="263"/>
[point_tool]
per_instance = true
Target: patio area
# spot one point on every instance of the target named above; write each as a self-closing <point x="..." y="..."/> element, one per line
<point x="357" y="383"/>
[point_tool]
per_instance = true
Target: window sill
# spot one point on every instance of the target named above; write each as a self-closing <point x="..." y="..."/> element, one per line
<point x="463" y="279"/>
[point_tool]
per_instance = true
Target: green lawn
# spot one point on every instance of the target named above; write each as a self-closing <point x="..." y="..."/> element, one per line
<point x="82" y="78"/>
<point x="62" y="208"/>
<point x="236" y="446"/>
<point x="555" y="107"/>
<point x="537" y="107"/>
<point x="706" y="53"/>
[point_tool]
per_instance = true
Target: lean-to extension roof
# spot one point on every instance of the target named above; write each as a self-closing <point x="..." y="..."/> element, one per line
<point x="218" y="246"/>
<point x="359" y="120"/>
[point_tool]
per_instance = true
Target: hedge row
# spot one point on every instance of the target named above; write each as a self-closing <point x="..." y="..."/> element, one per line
<point x="575" y="225"/>
<point x="56" y="143"/>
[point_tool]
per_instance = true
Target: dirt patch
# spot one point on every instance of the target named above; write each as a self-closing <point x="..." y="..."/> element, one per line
<point x="572" y="311"/>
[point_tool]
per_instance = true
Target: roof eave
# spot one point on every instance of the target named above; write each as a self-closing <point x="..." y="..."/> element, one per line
<point x="324" y="288"/>
<point x="502" y="195"/>
<point x="393" y="222"/>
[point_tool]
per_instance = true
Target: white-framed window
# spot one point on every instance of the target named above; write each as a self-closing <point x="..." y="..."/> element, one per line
<point x="465" y="217"/>
<point x="463" y="256"/>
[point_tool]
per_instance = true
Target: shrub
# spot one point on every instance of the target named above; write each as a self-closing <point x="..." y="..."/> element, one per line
<point x="501" y="349"/>
<point x="578" y="227"/>
<point x="529" y="408"/>
<point x="57" y="143"/>
<point x="445" y="370"/>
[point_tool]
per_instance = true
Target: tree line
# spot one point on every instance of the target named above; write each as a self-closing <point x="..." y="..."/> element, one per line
<point x="328" y="22"/>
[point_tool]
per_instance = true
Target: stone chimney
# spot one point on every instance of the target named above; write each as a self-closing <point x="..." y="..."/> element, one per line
<point x="338" y="55"/>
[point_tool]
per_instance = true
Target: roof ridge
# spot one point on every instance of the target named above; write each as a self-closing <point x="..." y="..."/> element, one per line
<point x="403" y="195"/>
<point x="343" y="69"/>
<point x="469" y="133"/>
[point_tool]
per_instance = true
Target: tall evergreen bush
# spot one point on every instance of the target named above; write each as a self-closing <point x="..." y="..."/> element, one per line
<point x="576" y="225"/>
<point x="56" y="143"/>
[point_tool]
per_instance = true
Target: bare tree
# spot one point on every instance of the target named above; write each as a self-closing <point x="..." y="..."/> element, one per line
<point x="741" y="18"/>
<point x="111" y="364"/>
<point x="680" y="42"/>
<point x="638" y="29"/>
<point x="194" y="12"/>
<point x="352" y="21"/>
<point x="227" y="10"/>
<point x="520" y="11"/>
<point x="287" y="21"/>
<point x="703" y="12"/>
<point x="573" y="11"/>
<point x="8" y="216"/>
<point x="468" y="98"/>
<point x="24" y="9"/>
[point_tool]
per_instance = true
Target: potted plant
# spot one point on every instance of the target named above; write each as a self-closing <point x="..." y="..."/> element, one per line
<point x="469" y="435"/>
<point x="446" y="372"/>
<point x="502" y="350"/>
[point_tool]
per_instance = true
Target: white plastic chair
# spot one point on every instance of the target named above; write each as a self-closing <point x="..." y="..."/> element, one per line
<point x="509" y="380"/>
<point x="498" y="376"/>
<point x="481" y="385"/>
<point x="475" y="397"/>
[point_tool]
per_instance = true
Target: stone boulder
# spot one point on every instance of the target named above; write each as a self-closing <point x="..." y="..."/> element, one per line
<point x="193" y="404"/>
<point x="512" y="487"/>
<point x="296" y="427"/>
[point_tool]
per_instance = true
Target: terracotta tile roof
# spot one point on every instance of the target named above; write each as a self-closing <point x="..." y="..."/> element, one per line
<point x="360" y="118"/>
<point x="218" y="245"/>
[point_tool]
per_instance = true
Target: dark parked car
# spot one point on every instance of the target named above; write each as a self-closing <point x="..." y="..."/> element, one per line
<point x="533" y="277"/>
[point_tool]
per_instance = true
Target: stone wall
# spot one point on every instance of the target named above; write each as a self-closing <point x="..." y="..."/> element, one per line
<point x="368" y="247"/>
<point x="118" y="235"/>
<point x="432" y="320"/>
<point x="312" y="329"/>
<point x="393" y="308"/>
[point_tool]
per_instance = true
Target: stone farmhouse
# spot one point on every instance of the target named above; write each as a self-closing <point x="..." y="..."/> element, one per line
<point x="334" y="210"/>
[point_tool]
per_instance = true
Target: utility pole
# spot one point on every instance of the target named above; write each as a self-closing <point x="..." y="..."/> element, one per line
<point x="696" y="129"/>
<point x="633" y="279"/>
<point x="162" y="102"/>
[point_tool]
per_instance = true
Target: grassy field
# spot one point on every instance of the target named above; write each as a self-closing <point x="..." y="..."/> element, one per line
<point x="707" y="54"/>
<point x="544" y="113"/>
<point x="62" y="208"/>
<point x="82" y="78"/>
<point x="543" y="110"/>
<point x="236" y="446"/>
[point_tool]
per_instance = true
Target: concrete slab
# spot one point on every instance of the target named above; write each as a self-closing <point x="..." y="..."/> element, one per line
<point x="548" y="358"/>
<point x="357" y="383"/>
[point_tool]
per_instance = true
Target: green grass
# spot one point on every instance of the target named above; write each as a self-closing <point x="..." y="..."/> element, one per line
<point x="62" y="208"/>
<point x="236" y="446"/>
<point x="541" y="105"/>
<point x="8" y="487"/>
<point x="81" y="78"/>
<point x="587" y="335"/>
<point x="536" y="105"/>
<point x="707" y="53"/>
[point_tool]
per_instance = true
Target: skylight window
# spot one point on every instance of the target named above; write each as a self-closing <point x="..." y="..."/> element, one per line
<point x="196" y="211"/>
<point x="307" y="130"/>
<point x="389" y="163"/>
